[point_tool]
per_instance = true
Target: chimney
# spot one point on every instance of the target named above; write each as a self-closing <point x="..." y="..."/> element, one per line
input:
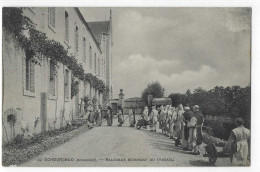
<point x="110" y="18"/>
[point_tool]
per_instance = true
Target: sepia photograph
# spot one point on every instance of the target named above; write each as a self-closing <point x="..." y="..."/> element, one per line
<point x="126" y="86"/>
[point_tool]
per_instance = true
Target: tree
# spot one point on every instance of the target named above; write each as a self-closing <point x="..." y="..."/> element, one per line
<point x="154" y="89"/>
<point x="178" y="98"/>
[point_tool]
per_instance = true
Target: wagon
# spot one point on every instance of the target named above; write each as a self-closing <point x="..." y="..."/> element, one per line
<point x="142" y="123"/>
<point x="161" y="101"/>
<point x="212" y="153"/>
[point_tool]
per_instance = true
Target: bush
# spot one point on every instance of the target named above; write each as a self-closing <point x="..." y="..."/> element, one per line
<point x="210" y="139"/>
<point x="19" y="139"/>
<point x="22" y="149"/>
<point x="220" y="129"/>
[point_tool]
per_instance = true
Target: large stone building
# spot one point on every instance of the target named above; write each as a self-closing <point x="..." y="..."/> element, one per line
<point x="102" y="31"/>
<point x="39" y="97"/>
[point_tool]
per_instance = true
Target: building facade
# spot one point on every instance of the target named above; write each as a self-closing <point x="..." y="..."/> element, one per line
<point x="102" y="31"/>
<point x="39" y="96"/>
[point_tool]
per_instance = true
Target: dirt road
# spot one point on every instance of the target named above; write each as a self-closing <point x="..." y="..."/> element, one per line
<point x="120" y="146"/>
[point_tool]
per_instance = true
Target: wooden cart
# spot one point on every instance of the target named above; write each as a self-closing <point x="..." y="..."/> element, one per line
<point x="212" y="153"/>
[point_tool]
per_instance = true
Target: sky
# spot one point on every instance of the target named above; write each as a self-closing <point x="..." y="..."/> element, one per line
<point x="182" y="48"/>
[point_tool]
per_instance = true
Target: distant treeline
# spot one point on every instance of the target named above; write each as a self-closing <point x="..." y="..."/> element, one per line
<point x="232" y="101"/>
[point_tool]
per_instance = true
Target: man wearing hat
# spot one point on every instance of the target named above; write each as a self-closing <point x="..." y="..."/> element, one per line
<point x="200" y="120"/>
<point x="188" y="114"/>
<point x="154" y="119"/>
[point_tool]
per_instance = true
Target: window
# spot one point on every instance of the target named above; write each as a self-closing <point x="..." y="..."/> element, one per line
<point x="66" y="84"/>
<point x="98" y="67"/>
<point x="66" y="26"/>
<point x="52" y="82"/>
<point x="51" y="18"/>
<point x="90" y="91"/>
<point x="102" y="69"/>
<point x="95" y="65"/>
<point x="29" y="74"/>
<point x="90" y="56"/>
<point x="77" y="39"/>
<point x="84" y="49"/>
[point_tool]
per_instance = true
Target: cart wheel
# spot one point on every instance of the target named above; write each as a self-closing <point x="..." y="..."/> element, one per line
<point x="212" y="159"/>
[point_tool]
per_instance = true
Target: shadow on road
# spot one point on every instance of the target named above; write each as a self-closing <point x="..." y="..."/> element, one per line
<point x="201" y="163"/>
<point x="162" y="142"/>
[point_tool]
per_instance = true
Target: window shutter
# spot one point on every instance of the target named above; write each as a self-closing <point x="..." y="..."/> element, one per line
<point x="76" y="39"/>
<point x="95" y="65"/>
<point x="51" y="17"/>
<point x="66" y="27"/>
<point x="52" y="88"/>
<point x="90" y="56"/>
<point x="32" y="78"/>
<point x="27" y="74"/>
<point x="84" y="49"/>
<point x="98" y="67"/>
<point x="66" y="84"/>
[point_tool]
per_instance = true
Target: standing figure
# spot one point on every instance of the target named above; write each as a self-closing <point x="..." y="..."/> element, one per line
<point x="187" y="115"/>
<point x="131" y="118"/>
<point x="134" y="122"/>
<point x="173" y="118"/>
<point x="99" y="116"/>
<point x="165" y="122"/>
<point x="239" y="140"/>
<point x="109" y="116"/>
<point x="91" y="116"/>
<point x="161" y="117"/>
<point x="170" y="119"/>
<point x="154" y="119"/>
<point x="145" y="117"/>
<point x="178" y="124"/>
<point x="87" y="107"/>
<point x="192" y="132"/>
<point x="200" y="121"/>
<point x="120" y="116"/>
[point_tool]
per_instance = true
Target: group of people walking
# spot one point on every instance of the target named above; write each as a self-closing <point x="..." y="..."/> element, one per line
<point x="185" y="126"/>
<point x="180" y="124"/>
<point x="93" y="115"/>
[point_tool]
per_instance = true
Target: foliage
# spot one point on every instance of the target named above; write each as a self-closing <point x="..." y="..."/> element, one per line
<point x="37" y="45"/>
<point x="23" y="149"/>
<point x="154" y="89"/>
<point x="18" y="139"/>
<point x="74" y="87"/>
<point x="219" y="101"/>
<point x="230" y="102"/>
<point x="86" y="100"/>
<point x="106" y="95"/>
<point x="178" y="98"/>
<point x="94" y="101"/>
<point x="210" y="139"/>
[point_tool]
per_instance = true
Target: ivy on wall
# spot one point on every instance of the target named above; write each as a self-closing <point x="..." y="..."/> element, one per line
<point x="37" y="45"/>
<point x="74" y="87"/>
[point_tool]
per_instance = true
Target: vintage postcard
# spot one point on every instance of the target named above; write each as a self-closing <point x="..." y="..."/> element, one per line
<point x="126" y="86"/>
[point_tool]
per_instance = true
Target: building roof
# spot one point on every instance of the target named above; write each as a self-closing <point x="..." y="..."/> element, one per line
<point x="133" y="99"/>
<point x="87" y="27"/>
<point x="98" y="28"/>
<point x="162" y="101"/>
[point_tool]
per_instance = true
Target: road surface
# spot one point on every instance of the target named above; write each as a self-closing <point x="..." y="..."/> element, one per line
<point x="119" y="146"/>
